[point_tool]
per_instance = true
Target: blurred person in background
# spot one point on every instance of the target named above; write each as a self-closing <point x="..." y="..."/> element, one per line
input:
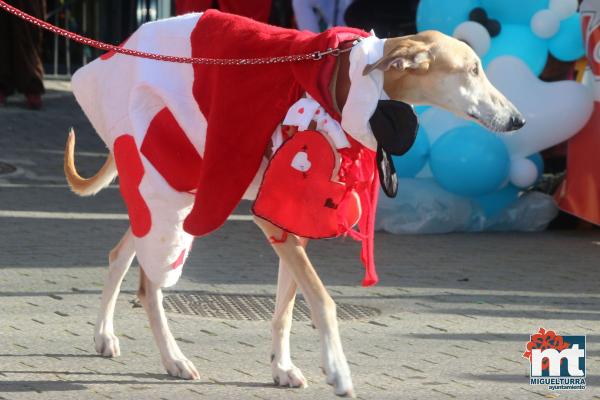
<point x="259" y="10"/>
<point x="20" y="54"/>
<point x="319" y="15"/>
<point x="387" y="18"/>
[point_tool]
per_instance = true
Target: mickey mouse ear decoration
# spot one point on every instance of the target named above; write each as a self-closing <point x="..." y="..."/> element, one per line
<point x="479" y="15"/>
<point x="394" y="125"/>
<point x="478" y="31"/>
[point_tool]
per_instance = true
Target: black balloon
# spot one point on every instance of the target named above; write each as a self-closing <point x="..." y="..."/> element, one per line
<point x="478" y="15"/>
<point x="493" y="26"/>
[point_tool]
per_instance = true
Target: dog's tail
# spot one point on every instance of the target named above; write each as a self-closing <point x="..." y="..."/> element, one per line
<point x="89" y="186"/>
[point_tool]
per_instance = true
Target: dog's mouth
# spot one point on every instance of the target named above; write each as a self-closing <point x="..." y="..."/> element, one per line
<point x="486" y="124"/>
<point x="492" y="125"/>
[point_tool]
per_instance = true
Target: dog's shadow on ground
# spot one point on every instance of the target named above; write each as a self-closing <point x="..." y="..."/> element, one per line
<point x="81" y="384"/>
<point x="56" y="356"/>
<point x="39" y="386"/>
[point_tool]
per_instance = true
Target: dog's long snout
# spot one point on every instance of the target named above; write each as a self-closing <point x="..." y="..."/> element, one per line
<point x="517" y="121"/>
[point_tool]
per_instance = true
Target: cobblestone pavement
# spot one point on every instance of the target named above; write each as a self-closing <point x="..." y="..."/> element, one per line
<point x="455" y="310"/>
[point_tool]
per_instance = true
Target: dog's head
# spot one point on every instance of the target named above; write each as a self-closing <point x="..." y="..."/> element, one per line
<point x="436" y="69"/>
<point x="429" y="68"/>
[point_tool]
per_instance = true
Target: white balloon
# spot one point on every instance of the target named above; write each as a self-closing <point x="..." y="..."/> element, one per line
<point x="523" y="172"/>
<point x="475" y="35"/>
<point x="545" y="24"/>
<point x="436" y="122"/>
<point x="554" y="111"/>
<point x="564" y="8"/>
<point x="425" y="172"/>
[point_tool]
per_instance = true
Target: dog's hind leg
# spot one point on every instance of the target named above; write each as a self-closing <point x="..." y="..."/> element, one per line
<point x="176" y="364"/>
<point x="119" y="260"/>
<point x="322" y="306"/>
<point x="285" y="373"/>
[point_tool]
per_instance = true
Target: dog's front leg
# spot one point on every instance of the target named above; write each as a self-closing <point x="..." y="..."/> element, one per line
<point x="285" y="373"/>
<point x="322" y="306"/>
<point x="175" y="362"/>
<point x="119" y="260"/>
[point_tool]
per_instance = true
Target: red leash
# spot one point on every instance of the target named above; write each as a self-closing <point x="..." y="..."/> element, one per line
<point x="317" y="55"/>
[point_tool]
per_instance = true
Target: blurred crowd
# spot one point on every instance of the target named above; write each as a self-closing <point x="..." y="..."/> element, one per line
<point x="21" y="68"/>
<point x="386" y="18"/>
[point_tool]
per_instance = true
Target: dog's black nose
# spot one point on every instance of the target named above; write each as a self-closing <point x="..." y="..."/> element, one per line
<point x="516" y="122"/>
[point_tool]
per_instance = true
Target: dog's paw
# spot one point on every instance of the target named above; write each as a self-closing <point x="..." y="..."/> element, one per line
<point x="290" y="376"/>
<point x="107" y="344"/>
<point x="335" y="367"/>
<point x="342" y="385"/>
<point x="181" y="368"/>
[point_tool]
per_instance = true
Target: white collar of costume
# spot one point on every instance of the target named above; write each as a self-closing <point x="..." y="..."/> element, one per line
<point x="365" y="91"/>
<point x="306" y="110"/>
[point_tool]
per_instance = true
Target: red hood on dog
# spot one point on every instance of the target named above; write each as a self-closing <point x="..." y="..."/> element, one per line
<point x="232" y="96"/>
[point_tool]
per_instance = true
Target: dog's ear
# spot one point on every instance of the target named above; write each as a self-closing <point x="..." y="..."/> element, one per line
<point x="403" y="54"/>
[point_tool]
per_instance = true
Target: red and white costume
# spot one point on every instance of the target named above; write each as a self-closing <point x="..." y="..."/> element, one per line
<point x="189" y="141"/>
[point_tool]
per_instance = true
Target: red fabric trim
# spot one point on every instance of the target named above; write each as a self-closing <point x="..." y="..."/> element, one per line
<point x="179" y="262"/>
<point x="131" y="172"/>
<point x="282" y="239"/>
<point x="170" y="151"/>
<point x="359" y="172"/>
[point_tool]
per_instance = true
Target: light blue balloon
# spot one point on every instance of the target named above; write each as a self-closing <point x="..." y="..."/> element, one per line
<point x="493" y="203"/>
<point x="469" y="161"/>
<point x="444" y="15"/>
<point x="539" y="164"/>
<point x="519" y="41"/>
<point x="513" y="11"/>
<point x="567" y="44"/>
<point x="410" y="163"/>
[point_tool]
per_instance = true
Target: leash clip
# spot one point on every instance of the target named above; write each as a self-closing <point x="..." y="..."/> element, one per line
<point x="318" y="55"/>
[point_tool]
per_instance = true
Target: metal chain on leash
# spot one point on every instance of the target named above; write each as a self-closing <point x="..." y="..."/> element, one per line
<point x="314" y="56"/>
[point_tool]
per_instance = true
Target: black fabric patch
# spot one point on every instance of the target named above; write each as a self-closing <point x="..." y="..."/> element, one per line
<point x="394" y="125"/>
<point x="387" y="173"/>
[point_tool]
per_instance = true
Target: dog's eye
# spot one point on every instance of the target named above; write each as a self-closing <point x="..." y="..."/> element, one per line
<point x="475" y="69"/>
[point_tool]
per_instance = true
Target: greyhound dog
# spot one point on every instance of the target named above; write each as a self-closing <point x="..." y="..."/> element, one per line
<point x="428" y="68"/>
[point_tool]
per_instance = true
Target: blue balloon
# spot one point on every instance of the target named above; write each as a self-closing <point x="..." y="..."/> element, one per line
<point x="513" y="11"/>
<point x="539" y="163"/>
<point x="493" y="203"/>
<point x="519" y="41"/>
<point x="567" y="44"/>
<point x="444" y="15"/>
<point x="410" y="163"/>
<point x="469" y="161"/>
<point x="421" y="109"/>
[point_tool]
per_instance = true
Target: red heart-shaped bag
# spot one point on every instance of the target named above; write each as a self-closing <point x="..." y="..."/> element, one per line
<point x="299" y="194"/>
